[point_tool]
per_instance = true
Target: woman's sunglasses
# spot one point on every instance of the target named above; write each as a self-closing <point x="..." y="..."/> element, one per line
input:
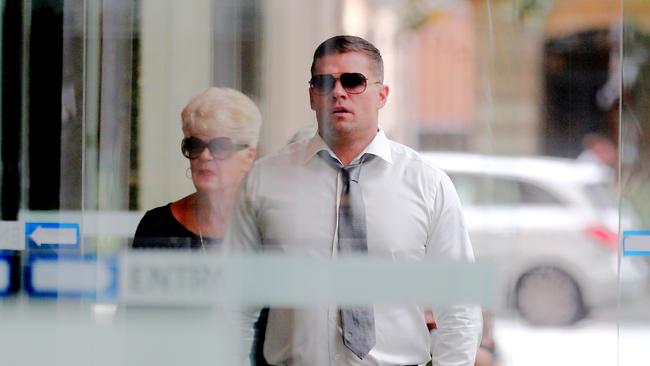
<point x="352" y="82"/>
<point x="220" y="148"/>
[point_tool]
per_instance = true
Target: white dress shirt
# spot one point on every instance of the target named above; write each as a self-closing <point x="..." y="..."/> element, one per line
<point x="289" y="204"/>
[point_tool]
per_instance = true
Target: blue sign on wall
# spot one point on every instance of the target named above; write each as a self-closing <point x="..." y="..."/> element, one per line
<point x="52" y="235"/>
<point x="5" y="275"/>
<point x="636" y="243"/>
<point x="88" y="276"/>
<point x="9" y="272"/>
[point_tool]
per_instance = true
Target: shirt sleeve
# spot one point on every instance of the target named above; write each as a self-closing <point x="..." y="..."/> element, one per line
<point x="457" y="338"/>
<point x="242" y="236"/>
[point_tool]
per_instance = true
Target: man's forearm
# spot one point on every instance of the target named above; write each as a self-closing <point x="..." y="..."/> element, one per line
<point x="458" y="335"/>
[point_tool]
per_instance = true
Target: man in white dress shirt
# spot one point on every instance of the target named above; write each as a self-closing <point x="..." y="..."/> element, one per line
<point x="290" y="204"/>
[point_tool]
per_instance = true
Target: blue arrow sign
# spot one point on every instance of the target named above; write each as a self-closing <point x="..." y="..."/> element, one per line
<point x="5" y="275"/>
<point x="9" y="272"/>
<point x="88" y="276"/>
<point x="52" y="235"/>
<point x="636" y="243"/>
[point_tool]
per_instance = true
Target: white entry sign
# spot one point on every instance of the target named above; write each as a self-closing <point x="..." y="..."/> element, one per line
<point x="205" y="279"/>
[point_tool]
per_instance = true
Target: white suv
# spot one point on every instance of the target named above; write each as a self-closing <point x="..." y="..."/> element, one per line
<point x="550" y="226"/>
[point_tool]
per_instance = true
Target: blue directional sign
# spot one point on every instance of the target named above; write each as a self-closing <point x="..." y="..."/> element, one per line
<point x="52" y="235"/>
<point x="636" y="243"/>
<point x="9" y="272"/>
<point x="5" y="275"/>
<point x="74" y="276"/>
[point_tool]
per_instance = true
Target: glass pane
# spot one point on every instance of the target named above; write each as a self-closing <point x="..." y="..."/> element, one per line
<point x="172" y="188"/>
<point x="633" y="70"/>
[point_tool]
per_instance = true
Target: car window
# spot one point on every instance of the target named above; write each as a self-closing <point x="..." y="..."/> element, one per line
<point x="601" y="196"/>
<point x="467" y="188"/>
<point x="484" y="190"/>
<point x="532" y="194"/>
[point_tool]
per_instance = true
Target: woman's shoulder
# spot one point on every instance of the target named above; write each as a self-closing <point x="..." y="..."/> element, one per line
<point x="156" y="221"/>
<point x="158" y="214"/>
<point x="158" y="228"/>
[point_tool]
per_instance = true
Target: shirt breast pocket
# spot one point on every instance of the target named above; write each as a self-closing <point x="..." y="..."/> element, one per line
<point x="296" y="228"/>
<point x="397" y="226"/>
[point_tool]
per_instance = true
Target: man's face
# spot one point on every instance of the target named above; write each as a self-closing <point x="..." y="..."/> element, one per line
<point x="343" y="115"/>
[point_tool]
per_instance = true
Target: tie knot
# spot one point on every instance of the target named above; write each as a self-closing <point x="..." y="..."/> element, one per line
<point x="349" y="172"/>
<point x="352" y="171"/>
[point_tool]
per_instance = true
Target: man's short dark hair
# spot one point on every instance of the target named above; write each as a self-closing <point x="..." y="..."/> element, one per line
<point x="343" y="44"/>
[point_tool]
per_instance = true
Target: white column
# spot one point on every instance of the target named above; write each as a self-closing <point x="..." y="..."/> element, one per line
<point x="176" y="62"/>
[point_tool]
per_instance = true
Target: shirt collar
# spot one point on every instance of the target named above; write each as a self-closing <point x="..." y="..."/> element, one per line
<point x="379" y="146"/>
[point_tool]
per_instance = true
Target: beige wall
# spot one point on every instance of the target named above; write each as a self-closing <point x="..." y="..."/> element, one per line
<point x="175" y="65"/>
<point x="292" y="30"/>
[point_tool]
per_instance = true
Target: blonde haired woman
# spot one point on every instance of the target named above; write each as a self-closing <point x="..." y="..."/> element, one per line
<point x="221" y="128"/>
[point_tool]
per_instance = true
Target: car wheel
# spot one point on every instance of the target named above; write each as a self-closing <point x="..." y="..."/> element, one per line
<point x="549" y="296"/>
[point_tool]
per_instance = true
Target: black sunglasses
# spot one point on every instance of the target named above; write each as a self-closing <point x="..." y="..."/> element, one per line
<point x="221" y="148"/>
<point x="352" y="82"/>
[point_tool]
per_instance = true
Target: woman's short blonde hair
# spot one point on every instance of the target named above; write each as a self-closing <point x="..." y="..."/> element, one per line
<point x="225" y="112"/>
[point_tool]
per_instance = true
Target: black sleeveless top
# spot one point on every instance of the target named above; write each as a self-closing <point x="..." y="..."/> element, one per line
<point x="159" y="229"/>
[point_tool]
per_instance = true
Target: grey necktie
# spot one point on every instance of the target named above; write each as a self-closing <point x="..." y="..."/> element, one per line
<point x="358" y="322"/>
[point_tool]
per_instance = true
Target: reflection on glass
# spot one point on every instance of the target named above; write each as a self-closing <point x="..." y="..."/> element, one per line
<point x="632" y="72"/>
<point x="493" y="87"/>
